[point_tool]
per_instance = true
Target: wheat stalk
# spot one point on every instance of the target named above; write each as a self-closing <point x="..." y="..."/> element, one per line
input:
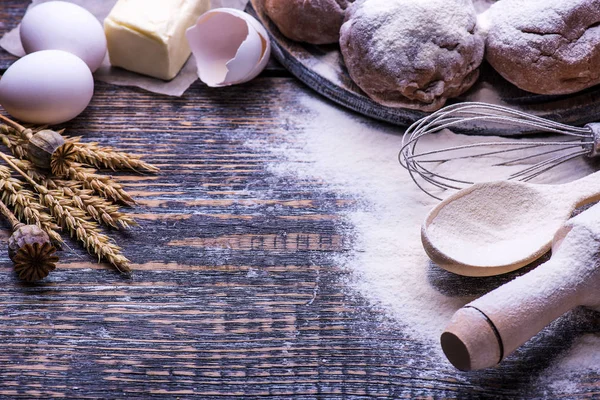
<point x="102" y="185"/>
<point x="107" y="157"/>
<point x="99" y="209"/>
<point x="75" y="151"/>
<point x="78" y="202"/>
<point x="64" y="162"/>
<point x="75" y="221"/>
<point x="25" y="205"/>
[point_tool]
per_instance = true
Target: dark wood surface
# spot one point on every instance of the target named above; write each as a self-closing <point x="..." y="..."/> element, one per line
<point x="236" y="292"/>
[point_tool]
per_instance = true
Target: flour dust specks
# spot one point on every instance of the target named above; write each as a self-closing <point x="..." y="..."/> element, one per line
<point x="358" y="158"/>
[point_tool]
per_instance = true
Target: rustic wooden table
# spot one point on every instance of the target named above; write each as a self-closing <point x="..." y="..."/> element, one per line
<point x="236" y="291"/>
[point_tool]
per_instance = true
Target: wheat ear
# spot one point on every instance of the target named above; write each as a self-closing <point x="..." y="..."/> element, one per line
<point x="25" y="205"/>
<point x="34" y="173"/>
<point x="102" y="185"/>
<point x="87" y="232"/>
<point x="74" y="220"/>
<point x="10" y="139"/>
<point x="99" y="209"/>
<point x="107" y="157"/>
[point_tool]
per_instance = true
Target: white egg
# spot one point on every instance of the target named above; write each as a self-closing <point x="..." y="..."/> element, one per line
<point x="46" y="87"/>
<point x="58" y="25"/>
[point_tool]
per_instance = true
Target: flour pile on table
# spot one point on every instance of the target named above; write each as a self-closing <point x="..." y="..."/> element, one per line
<point x="358" y="158"/>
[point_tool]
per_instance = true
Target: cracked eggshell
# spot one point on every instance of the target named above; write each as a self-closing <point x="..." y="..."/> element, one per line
<point x="229" y="46"/>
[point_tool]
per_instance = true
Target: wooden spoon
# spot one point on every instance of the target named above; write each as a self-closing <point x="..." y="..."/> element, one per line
<point x="497" y="227"/>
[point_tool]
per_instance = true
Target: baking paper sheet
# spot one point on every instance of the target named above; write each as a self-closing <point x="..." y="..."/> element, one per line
<point x="11" y="42"/>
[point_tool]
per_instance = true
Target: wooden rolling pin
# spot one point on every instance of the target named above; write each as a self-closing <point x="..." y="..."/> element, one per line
<point x="485" y="331"/>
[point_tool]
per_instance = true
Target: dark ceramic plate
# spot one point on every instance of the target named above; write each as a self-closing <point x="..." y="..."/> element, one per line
<point x="322" y="69"/>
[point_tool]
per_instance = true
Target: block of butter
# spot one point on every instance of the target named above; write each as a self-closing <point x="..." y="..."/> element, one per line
<point x="148" y="36"/>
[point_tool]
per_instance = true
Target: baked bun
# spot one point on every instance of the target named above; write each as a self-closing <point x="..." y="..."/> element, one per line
<point x="310" y="21"/>
<point x="412" y="53"/>
<point x="545" y="46"/>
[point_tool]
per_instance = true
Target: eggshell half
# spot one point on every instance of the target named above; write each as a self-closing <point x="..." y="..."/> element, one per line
<point x="59" y="25"/>
<point x="229" y="46"/>
<point x="46" y="87"/>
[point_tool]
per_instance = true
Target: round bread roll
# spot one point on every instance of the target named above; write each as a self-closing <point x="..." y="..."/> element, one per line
<point x="412" y="53"/>
<point x="545" y="46"/>
<point x="310" y="21"/>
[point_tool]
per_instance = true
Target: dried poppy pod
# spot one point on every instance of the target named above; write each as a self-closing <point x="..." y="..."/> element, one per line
<point x="42" y="146"/>
<point x="30" y="249"/>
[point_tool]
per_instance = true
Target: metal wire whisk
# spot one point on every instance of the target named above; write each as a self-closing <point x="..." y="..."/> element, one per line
<point x="552" y="152"/>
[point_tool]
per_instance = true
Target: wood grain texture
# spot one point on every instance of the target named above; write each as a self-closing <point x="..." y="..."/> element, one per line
<point x="237" y="292"/>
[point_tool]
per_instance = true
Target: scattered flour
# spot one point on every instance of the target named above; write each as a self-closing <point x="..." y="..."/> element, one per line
<point x="583" y="355"/>
<point x="358" y="158"/>
<point x="390" y="264"/>
<point x="329" y="65"/>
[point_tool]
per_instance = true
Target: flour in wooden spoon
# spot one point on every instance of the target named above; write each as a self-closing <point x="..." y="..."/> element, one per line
<point x="496" y="225"/>
<point x="358" y="158"/>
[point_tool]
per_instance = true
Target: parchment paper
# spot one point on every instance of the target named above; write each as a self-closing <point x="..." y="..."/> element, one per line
<point x="11" y="42"/>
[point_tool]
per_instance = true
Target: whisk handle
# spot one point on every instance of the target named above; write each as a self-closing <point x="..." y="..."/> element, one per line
<point x="595" y="128"/>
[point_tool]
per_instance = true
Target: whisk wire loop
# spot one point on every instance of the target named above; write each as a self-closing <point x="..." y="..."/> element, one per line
<point x="586" y="141"/>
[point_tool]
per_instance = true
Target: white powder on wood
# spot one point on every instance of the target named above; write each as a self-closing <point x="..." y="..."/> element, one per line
<point x="498" y="224"/>
<point x="563" y="376"/>
<point x="358" y="158"/>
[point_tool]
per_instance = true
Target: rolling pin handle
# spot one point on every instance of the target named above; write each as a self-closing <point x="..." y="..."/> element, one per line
<point x="471" y="341"/>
